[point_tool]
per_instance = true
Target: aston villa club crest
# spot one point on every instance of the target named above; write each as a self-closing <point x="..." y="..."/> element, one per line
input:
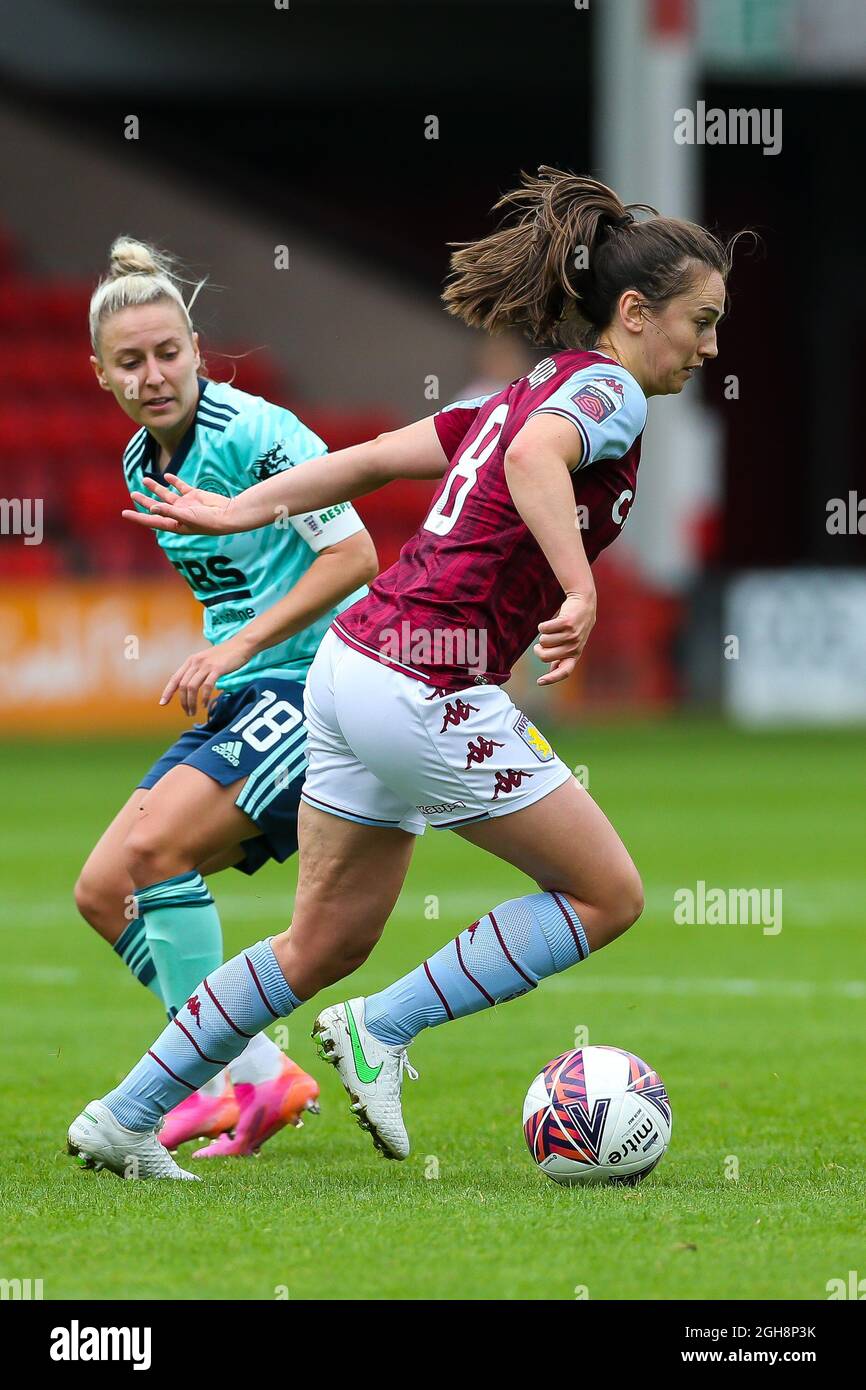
<point x="533" y="739"/>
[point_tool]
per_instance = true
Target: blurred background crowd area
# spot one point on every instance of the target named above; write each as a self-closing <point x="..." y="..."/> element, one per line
<point x="351" y="143"/>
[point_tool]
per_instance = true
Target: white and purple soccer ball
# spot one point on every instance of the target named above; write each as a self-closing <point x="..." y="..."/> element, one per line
<point x="597" y="1115"/>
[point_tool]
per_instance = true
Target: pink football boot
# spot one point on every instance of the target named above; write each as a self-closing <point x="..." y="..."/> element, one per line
<point x="265" y="1109"/>
<point x="200" y="1117"/>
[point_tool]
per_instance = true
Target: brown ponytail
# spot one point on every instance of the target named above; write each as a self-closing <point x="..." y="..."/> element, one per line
<point x="567" y="250"/>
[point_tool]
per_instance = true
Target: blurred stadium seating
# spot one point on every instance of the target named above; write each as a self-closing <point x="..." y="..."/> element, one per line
<point x="57" y="428"/>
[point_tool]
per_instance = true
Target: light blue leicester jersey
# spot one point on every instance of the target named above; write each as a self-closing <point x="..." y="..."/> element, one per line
<point x="234" y="441"/>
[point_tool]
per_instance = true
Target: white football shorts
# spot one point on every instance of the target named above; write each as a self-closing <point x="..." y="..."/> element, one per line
<point x="386" y="749"/>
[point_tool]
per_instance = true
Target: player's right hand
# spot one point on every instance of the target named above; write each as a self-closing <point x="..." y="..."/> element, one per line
<point x="196" y="679"/>
<point x="189" y="511"/>
<point x="561" y="640"/>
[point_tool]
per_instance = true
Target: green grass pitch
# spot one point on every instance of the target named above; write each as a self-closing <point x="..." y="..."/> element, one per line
<point x="758" y="1037"/>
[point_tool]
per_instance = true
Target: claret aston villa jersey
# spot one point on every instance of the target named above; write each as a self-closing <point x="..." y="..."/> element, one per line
<point x="473" y="569"/>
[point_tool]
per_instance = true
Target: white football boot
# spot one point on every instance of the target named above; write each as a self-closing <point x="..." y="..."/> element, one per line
<point x="99" y="1141"/>
<point x="371" y="1071"/>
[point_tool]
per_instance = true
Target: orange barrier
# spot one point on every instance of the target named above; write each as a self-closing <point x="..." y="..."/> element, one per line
<point x="93" y="657"/>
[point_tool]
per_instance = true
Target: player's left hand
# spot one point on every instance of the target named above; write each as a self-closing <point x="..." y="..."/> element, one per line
<point x="188" y="511"/>
<point x="196" y="679"/>
<point x="562" y="639"/>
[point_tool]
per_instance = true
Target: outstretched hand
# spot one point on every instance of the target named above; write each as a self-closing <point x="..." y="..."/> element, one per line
<point x="188" y="510"/>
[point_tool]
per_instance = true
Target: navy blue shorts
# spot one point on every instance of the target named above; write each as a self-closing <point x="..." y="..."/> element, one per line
<point x="256" y="735"/>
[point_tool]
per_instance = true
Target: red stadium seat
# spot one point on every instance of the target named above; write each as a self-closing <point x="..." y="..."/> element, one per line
<point x="342" y="428"/>
<point x="62" y="440"/>
<point x="95" y="495"/>
<point x="28" y="562"/>
<point x="55" y="306"/>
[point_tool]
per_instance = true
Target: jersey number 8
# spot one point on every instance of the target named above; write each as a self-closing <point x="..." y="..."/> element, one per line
<point x="464" y="474"/>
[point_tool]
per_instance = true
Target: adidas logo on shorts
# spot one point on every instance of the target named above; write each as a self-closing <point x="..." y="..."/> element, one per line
<point x="230" y="751"/>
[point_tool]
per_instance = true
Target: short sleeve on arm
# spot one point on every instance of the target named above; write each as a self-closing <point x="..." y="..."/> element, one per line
<point x="272" y="440"/>
<point x="606" y="406"/>
<point x="266" y="441"/>
<point x="452" y="422"/>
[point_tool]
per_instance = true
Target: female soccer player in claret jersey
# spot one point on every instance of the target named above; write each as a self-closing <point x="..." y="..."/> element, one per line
<point x="408" y="721"/>
<point x="226" y="793"/>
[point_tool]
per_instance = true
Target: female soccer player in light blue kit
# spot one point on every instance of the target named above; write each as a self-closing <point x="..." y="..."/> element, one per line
<point x="226" y="793"/>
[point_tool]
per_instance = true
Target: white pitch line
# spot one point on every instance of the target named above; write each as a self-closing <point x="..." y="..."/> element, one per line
<point x="684" y="985"/>
<point x="578" y="984"/>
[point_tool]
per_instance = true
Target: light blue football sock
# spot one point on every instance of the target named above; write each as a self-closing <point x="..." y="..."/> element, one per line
<point x="134" y="951"/>
<point x="183" y="932"/>
<point x="214" y="1026"/>
<point x="497" y="958"/>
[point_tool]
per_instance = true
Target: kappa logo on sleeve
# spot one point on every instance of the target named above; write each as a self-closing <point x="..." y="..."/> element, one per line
<point x="598" y="399"/>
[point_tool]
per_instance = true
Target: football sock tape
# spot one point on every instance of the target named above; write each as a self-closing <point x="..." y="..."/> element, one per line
<point x="183" y="933"/>
<point x="134" y="951"/>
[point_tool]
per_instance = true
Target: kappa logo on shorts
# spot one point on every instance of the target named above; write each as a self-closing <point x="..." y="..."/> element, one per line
<point x="509" y="780"/>
<point x="230" y="751"/>
<point x="456" y="712"/>
<point x="442" y="808"/>
<point x="194" y="1007"/>
<point x="533" y="739"/>
<point x="479" y="750"/>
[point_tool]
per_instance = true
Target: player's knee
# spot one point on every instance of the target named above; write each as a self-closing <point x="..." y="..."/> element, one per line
<point x="88" y="899"/>
<point x="148" y="858"/>
<point x="627" y="903"/>
<point x="98" y="903"/>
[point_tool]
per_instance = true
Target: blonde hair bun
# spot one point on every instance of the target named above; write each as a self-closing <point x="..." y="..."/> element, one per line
<point x="137" y="274"/>
<point x="130" y="257"/>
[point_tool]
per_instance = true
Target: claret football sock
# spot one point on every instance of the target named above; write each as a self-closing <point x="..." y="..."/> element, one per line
<point x="501" y="956"/>
<point x="134" y="951"/>
<point x="183" y="933"/>
<point x="224" y="1012"/>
